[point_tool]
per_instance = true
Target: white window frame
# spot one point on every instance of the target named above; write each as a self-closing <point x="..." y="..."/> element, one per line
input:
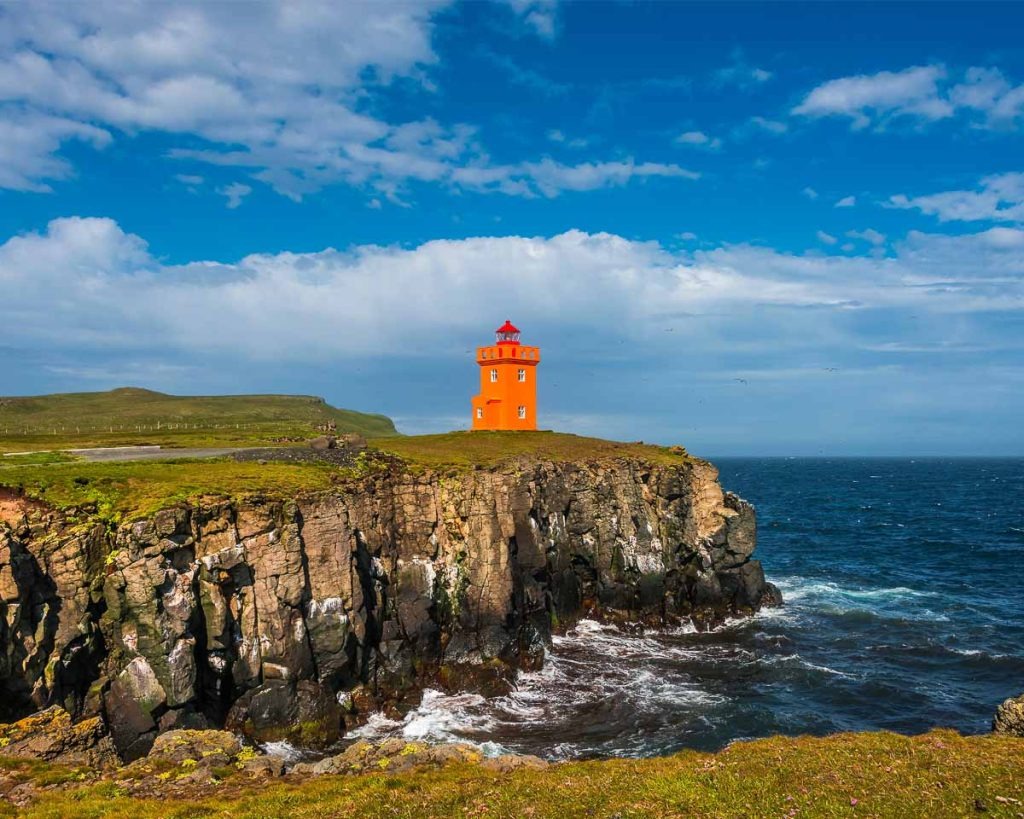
<point x="521" y="374"/>
<point x="522" y="413"/>
<point x="494" y="376"/>
<point x="479" y="412"/>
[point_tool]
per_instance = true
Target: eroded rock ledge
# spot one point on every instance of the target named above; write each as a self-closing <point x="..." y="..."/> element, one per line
<point x="285" y="618"/>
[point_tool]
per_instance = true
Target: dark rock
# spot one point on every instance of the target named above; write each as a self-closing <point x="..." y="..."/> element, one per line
<point x="306" y="714"/>
<point x="324" y="442"/>
<point x="131" y="727"/>
<point x="183" y="719"/>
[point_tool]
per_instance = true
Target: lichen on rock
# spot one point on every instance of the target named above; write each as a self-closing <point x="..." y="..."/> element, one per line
<point x="1009" y="718"/>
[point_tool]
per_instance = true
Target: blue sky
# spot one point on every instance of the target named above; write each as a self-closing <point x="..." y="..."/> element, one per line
<point x="750" y="228"/>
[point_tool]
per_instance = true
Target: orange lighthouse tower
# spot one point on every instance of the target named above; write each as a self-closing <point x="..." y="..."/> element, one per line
<point x="508" y="383"/>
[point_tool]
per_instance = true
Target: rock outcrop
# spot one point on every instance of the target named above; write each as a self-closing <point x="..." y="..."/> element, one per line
<point x="1009" y="717"/>
<point x="284" y="617"/>
<point x="397" y="755"/>
<point x="51" y="736"/>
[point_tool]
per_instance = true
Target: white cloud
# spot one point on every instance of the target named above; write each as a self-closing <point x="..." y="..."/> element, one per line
<point x="772" y="126"/>
<point x="810" y="193"/>
<point x="1000" y="199"/>
<point x="28" y="146"/>
<point x="868" y="235"/>
<point x="279" y="80"/>
<point x="923" y="93"/>
<point x="537" y="15"/>
<point x="741" y="74"/>
<point x="826" y="238"/>
<point x="846" y="202"/>
<point x="235" y="193"/>
<point x="559" y="137"/>
<point x="913" y="92"/>
<point x="371" y="300"/>
<point x="699" y="139"/>
<point x="550" y="178"/>
<point x="278" y="91"/>
<point x="986" y="90"/>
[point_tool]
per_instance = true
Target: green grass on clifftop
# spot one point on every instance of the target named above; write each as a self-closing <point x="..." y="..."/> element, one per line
<point x="467" y="449"/>
<point x="132" y="489"/>
<point x="847" y="775"/>
<point x="134" y="416"/>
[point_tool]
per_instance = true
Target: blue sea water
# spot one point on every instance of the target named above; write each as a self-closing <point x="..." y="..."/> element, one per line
<point x="904" y="588"/>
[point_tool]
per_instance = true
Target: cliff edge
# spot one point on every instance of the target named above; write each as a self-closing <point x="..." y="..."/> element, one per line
<point x="285" y="617"/>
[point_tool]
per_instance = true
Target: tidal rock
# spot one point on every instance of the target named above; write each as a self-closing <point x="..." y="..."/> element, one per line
<point x="51" y="735"/>
<point x="1009" y="717"/>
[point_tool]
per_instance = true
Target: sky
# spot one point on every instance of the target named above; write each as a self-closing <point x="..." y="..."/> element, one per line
<point x="778" y="229"/>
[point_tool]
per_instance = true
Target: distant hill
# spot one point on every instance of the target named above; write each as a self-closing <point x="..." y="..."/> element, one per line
<point x="135" y="411"/>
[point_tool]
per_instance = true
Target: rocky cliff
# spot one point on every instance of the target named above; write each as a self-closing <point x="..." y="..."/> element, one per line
<point x="283" y="618"/>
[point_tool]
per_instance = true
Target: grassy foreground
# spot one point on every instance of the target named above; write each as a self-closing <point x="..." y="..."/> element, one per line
<point x="132" y="416"/>
<point x="873" y="774"/>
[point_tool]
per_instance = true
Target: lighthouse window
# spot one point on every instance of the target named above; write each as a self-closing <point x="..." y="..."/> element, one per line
<point x="522" y="412"/>
<point x="494" y="376"/>
<point x="479" y="412"/>
<point x="521" y="375"/>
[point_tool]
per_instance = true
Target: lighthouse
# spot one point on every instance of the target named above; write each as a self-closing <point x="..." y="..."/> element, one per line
<point x="508" y="383"/>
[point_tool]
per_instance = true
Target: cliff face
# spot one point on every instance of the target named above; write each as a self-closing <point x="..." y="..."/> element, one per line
<point x="284" y="617"/>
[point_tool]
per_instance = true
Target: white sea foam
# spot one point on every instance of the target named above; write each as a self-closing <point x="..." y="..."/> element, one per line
<point x="285" y="750"/>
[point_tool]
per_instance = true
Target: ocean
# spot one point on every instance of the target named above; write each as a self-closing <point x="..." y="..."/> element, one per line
<point x="904" y="587"/>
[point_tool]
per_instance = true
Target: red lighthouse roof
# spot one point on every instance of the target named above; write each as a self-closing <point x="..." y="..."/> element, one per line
<point x="507" y="327"/>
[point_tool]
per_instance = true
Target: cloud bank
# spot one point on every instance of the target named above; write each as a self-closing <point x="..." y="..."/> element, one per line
<point x="86" y="283"/>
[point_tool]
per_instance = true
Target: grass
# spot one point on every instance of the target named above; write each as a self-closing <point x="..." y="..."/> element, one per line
<point x="467" y="449"/>
<point x="30" y="458"/>
<point x="869" y="774"/>
<point x="135" y="489"/>
<point x="135" y="416"/>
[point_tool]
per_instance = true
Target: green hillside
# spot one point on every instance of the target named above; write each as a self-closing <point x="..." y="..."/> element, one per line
<point x="131" y="415"/>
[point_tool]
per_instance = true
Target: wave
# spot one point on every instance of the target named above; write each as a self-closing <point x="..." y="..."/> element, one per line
<point x="439" y="718"/>
<point x="285" y="750"/>
<point x="806" y="665"/>
<point x="798" y="588"/>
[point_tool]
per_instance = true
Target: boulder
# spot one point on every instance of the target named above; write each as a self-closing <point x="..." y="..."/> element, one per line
<point x="352" y="441"/>
<point x="51" y="736"/>
<point x="323" y="443"/>
<point x="131" y="727"/>
<point x="1009" y="717"/>
<point x="305" y="714"/>
<point x="209" y="747"/>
